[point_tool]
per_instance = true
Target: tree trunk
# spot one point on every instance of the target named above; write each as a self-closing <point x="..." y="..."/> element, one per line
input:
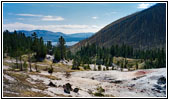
<point x="30" y="63"/>
<point x="17" y="62"/>
<point x="21" y="63"/>
<point x="36" y="68"/>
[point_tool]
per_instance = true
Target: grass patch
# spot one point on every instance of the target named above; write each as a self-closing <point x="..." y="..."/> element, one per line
<point x="10" y="95"/>
<point x="99" y="92"/>
<point x="46" y="76"/>
<point x="131" y="62"/>
<point x="51" y="77"/>
<point x="22" y="84"/>
<point x="33" y="94"/>
<point x="19" y="76"/>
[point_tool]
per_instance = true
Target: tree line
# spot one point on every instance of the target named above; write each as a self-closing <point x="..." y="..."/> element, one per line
<point x="93" y="54"/>
<point x="15" y="44"/>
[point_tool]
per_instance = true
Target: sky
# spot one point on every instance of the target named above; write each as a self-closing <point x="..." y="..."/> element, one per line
<point x="66" y="17"/>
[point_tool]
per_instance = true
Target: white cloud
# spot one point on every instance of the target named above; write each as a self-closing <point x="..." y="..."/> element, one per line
<point x="144" y="5"/>
<point x="94" y="17"/>
<point x="29" y="15"/>
<point x="55" y="28"/>
<point x="44" y="18"/>
<point x="52" y="18"/>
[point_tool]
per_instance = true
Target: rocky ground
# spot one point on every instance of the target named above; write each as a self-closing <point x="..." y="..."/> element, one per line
<point x="112" y="83"/>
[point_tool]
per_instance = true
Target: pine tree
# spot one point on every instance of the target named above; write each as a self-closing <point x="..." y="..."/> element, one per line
<point x="99" y="67"/>
<point x="136" y="65"/>
<point x="122" y="66"/>
<point x="76" y="63"/>
<point x="57" y="56"/>
<point x="49" y="47"/>
<point x="62" y="47"/>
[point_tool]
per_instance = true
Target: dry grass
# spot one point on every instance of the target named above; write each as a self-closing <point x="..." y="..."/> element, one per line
<point x="46" y="76"/>
<point x="131" y="62"/>
<point x="33" y="94"/>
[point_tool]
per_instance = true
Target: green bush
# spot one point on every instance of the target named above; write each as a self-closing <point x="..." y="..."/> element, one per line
<point x="25" y="65"/>
<point x="98" y="94"/>
<point x="99" y="67"/>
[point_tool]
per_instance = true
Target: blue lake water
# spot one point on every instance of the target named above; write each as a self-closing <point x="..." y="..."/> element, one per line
<point x="67" y="43"/>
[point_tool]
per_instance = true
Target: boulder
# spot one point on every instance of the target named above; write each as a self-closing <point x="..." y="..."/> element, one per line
<point x="161" y="80"/>
<point x="67" y="88"/>
<point x="116" y="81"/>
<point x="158" y="87"/>
<point x="76" y="90"/>
<point x="51" y="84"/>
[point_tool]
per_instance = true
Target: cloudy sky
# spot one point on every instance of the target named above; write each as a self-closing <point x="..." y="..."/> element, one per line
<point x="66" y="17"/>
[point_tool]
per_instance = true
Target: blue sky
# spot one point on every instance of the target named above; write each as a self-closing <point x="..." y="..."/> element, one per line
<point x="66" y="17"/>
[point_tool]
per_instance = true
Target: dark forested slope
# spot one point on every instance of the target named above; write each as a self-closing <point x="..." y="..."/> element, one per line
<point x="145" y="29"/>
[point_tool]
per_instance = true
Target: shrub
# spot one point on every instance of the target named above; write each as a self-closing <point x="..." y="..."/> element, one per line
<point x="25" y="65"/>
<point x="100" y="89"/>
<point x="107" y="68"/>
<point x="104" y="69"/>
<point x="67" y="74"/>
<point x="99" y="67"/>
<point x="98" y="94"/>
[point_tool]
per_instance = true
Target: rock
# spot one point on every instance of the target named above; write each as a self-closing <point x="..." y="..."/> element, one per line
<point x="92" y="78"/>
<point x="67" y="88"/>
<point x="161" y="80"/>
<point x="164" y="92"/>
<point x="143" y="90"/>
<point x="116" y="81"/>
<point x="131" y="85"/>
<point x="89" y="91"/>
<point x="50" y="71"/>
<point x="158" y="87"/>
<point x="136" y="78"/>
<point x="164" y="87"/>
<point x="51" y="84"/>
<point x="76" y="90"/>
<point x="130" y="88"/>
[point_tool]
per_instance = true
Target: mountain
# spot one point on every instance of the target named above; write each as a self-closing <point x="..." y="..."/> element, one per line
<point x="53" y="36"/>
<point x="81" y="34"/>
<point x="145" y="29"/>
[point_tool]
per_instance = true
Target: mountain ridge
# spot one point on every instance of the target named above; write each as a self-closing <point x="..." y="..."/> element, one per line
<point x="144" y="29"/>
<point x="53" y="36"/>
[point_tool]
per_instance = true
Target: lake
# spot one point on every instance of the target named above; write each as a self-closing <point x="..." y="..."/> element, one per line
<point x="67" y="43"/>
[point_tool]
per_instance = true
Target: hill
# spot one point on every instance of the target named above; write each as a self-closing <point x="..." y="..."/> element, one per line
<point x="145" y="29"/>
<point x="53" y="36"/>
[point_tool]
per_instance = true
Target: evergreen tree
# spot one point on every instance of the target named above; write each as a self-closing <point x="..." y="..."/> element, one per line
<point x="99" y="67"/>
<point x="76" y="64"/>
<point x="136" y="65"/>
<point x="122" y="66"/>
<point x="57" y="56"/>
<point x="49" y="47"/>
<point x="62" y="47"/>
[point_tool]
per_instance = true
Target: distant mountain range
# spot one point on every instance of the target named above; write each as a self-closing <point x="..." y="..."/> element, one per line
<point x="145" y="30"/>
<point x="54" y="36"/>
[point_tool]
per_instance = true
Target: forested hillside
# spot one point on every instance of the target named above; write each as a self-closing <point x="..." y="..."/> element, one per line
<point x="144" y="30"/>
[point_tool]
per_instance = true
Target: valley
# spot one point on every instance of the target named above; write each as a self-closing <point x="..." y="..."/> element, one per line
<point x="125" y="59"/>
<point x="71" y="39"/>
